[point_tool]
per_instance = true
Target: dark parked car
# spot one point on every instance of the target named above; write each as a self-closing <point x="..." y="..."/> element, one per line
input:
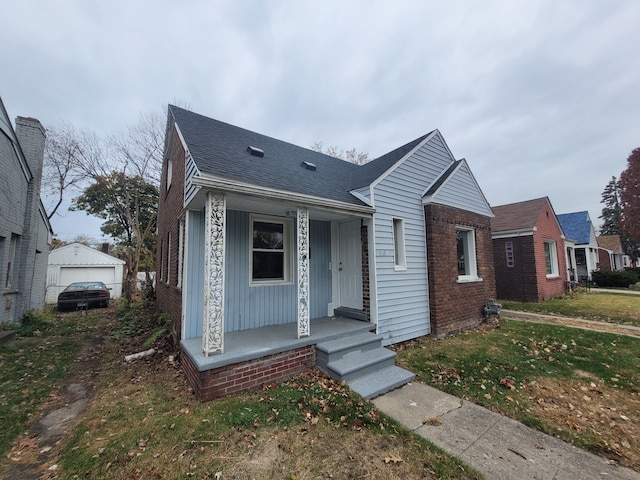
<point x="84" y="295"/>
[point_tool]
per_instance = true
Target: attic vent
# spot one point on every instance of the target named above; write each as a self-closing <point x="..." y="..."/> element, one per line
<point x="310" y="166"/>
<point x="255" y="151"/>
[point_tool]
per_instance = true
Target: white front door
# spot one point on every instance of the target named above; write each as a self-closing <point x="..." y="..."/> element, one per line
<point x="350" y="265"/>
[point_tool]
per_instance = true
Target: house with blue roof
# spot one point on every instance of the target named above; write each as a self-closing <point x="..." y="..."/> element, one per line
<point x="274" y="258"/>
<point x="578" y="227"/>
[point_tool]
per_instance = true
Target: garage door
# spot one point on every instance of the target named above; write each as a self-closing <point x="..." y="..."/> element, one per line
<point x="105" y="275"/>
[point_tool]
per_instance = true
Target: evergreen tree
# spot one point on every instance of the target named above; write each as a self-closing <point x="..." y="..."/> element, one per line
<point x="612" y="211"/>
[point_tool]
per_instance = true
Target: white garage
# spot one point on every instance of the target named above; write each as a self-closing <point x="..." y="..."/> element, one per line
<point x="79" y="263"/>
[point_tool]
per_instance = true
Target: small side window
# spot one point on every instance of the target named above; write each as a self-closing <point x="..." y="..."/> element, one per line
<point x="509" y="253"/>
<point x="399" y="256"/>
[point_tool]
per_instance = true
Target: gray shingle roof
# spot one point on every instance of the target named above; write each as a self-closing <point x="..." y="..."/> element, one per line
<point x="220" y="149"/>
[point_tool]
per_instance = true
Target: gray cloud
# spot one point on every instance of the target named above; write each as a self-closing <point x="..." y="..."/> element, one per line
<point x="540" y="97"/>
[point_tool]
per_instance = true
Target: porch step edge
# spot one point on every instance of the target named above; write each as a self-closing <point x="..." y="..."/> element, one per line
<point x="381" y="381"/>
<point x="360" y="363"/>
<point x="350" y="342"/>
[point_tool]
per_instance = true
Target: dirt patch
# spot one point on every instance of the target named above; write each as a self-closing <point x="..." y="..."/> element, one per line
<point x="574" y="322"/>
<point x="31" y="454"/>
<point x="295" y="453"/>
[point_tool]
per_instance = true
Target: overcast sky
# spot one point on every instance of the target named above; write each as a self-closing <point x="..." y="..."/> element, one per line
<point x="541" y="97"/>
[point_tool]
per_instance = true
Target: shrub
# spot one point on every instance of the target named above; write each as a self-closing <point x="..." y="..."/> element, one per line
<point x="605" y="278"/>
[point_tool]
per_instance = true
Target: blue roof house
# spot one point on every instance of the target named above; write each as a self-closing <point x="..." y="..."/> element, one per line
<point x="274" y="258"/>
<point x="578" y="227"/>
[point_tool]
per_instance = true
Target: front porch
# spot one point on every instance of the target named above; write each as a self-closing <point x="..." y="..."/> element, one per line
<point x="260" y="356"/>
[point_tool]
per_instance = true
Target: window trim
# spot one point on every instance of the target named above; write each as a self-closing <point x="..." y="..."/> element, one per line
<point x="287" y="249"/>
<point x="168" y="258"/>
<point x="399" y="250"/>
<point x="181" y="228"/>
<point x="169" y="173"/>
<point x="11" y="262"/>
<point x="471" y="266"/>
<point x="553" y="258"/>
<point x="508" y="250"/>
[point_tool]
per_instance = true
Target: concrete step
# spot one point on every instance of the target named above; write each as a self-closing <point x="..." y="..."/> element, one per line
<point x="336" y="349"/>
<point x="359" y="363"/>
<point x="381" y="381"/>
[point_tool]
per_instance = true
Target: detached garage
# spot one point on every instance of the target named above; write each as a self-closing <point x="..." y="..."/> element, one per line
<point x="79" y="263"/>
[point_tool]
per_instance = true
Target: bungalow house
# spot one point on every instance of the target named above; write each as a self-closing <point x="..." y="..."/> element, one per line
<point x="25" y="231"/>
<point x="578" y="227"/>
<point x="273" y="258"/>
<point x="610" y="253"/>
<point x="528" y="251"/>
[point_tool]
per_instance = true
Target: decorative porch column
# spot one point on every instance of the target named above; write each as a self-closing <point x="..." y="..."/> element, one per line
<point x="303" y="272"/>
<point x="214" y="233"/>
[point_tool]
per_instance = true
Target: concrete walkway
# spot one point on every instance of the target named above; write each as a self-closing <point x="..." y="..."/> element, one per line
<point x="497" y="446"/>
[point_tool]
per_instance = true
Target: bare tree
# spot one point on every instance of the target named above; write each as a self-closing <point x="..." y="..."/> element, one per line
<point x="63" y="154"/>
<point x="353" y="156"/>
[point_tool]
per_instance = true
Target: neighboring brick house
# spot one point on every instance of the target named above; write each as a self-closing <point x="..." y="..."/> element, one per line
<point x="269" y="252"/>
<point x="528" y="251"/>
<point x="610" y="253"/>
<point x="25" y="232"/>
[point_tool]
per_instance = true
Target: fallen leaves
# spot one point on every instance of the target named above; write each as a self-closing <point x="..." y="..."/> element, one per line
<point x="392" y="459"/>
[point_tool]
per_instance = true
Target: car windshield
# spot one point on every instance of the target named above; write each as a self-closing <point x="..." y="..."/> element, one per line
<point x="86" y="286"/>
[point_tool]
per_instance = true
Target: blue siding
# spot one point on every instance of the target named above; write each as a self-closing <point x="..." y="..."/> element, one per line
<point x="320" y="274"/>
<point x="193" y="295"/>
<point x="402" y="296"/>
<point x="253" y="307"/>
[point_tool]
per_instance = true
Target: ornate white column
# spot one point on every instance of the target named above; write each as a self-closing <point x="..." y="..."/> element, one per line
<point x="213" y="322"/>
<point x="303" y="272"/>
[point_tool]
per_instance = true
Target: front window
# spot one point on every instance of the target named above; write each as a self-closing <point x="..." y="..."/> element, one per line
<point x="550" y="258"/>
<point x="270" y="251"/>
<point x="466" y="254"/>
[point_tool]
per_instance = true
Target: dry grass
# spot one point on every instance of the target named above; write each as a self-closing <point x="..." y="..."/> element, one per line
<point x="143" y="422"/>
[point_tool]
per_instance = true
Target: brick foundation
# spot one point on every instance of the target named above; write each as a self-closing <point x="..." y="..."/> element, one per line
<point x="249" y="375"/>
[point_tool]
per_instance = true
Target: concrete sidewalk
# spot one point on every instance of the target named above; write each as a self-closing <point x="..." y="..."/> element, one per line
<point x="497" y="446"/>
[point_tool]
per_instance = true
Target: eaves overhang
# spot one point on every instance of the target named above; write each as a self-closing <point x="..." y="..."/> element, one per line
<point x="523" y="232"/>
<point x="208" y="181"/>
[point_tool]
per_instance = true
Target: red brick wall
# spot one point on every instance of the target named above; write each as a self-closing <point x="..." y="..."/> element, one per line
<point x="456" y="306"/>
<point x="170" y="209"/>
<point x="604" y="259"/>
<point x="248" y="375"/>
<point x="548" y="229"/>
<point x="520" y="282"/>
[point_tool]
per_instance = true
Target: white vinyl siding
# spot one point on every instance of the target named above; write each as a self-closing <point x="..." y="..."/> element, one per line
<point x="402" y="296"/>
<point x="462" y="191"/>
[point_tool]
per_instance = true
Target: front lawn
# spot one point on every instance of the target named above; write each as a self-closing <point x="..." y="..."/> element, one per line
<point x="606" y="307"/>
<point x="580" y="385"/>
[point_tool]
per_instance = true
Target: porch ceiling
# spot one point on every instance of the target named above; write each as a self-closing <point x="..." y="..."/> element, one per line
<point x="275" y="207"/>
<point x="261" y="342"/>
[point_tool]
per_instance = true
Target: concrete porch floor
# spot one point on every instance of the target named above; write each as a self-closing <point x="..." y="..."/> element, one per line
<point x="260" y="342"/>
